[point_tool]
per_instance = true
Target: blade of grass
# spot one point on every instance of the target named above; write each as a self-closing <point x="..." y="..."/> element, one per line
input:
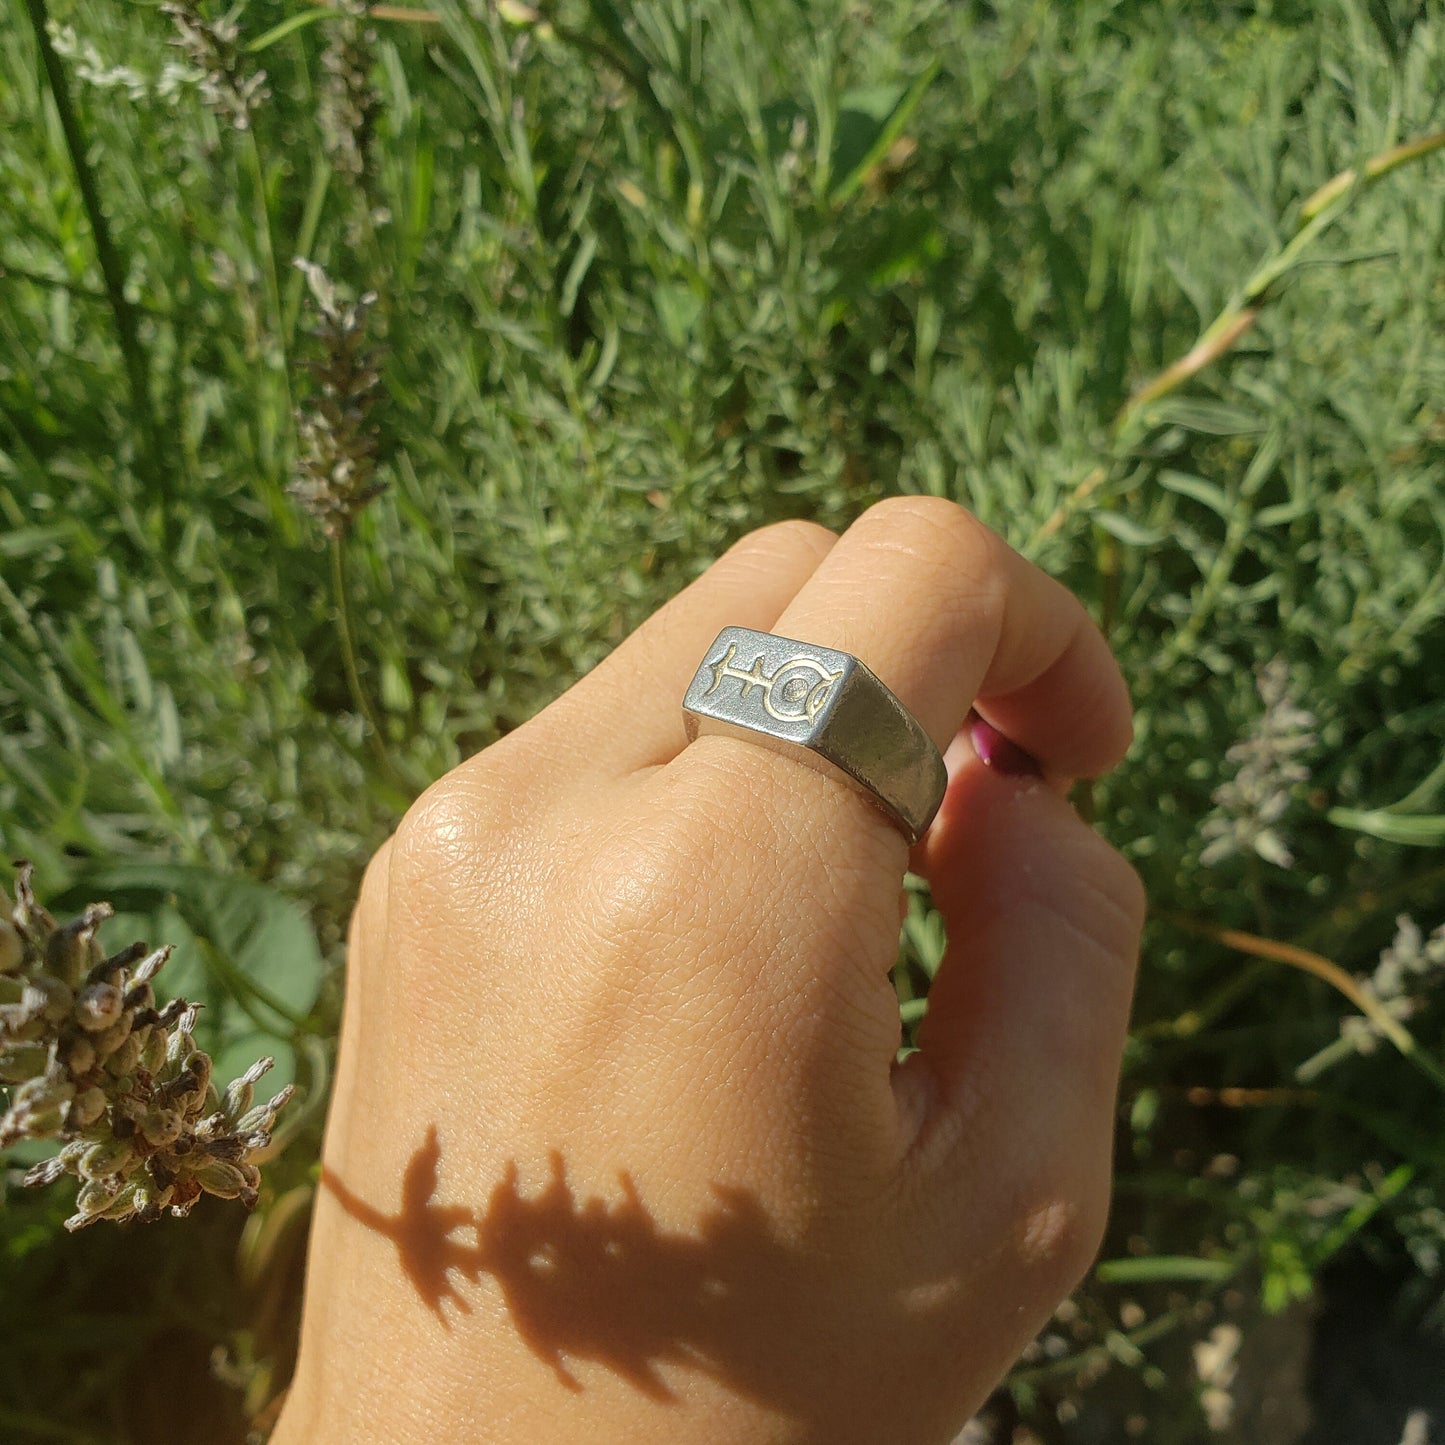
<point x="112" y="269"/>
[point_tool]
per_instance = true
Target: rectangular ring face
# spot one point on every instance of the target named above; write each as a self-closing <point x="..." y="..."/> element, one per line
<point x="769" y="684"/>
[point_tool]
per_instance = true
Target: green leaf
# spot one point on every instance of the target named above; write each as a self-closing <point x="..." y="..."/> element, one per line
<point x="678" y="307"/>
<point x="1423" y="792"/>
<point x="1211" y="418"/>
<point x="292" y="23"/>
<point x="1208" y="494"/>
<point x="1414" y="830"/>
<point x="576" y="273"/>
<point x="23" y="541"/>
<point x="1160" y="1268"/>
<point x="912" y="1010"/>
<point x="186" y="974"/>
<point x="869" y="121"/>
<point x="1128" y="531"/>
<point x="251" y="951"/>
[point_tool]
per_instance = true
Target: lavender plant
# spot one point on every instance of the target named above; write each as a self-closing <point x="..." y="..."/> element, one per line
<point x="1269" y="769"/>
<point x="348" y="105"/>
<point x="94" y="1063"/>
<point x="1160" y="302"/>
<point x="228" y="83"/>
<point x="1406" y="970"/>
<point x="336" y="467"/>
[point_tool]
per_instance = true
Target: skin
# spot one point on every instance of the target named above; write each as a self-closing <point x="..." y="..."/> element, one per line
<point x="619" y="1150"/>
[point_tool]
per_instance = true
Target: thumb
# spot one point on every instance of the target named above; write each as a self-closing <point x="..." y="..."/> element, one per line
<point x="1020" y="1050"/>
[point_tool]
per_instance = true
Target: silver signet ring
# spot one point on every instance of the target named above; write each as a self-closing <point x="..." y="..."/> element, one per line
<point x="824" y="708"/>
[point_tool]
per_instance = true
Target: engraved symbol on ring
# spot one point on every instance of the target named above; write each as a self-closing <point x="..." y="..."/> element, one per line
<point x="797" y="690"/>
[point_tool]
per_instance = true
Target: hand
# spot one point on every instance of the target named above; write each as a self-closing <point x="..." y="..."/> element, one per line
<point x="619" y="1150"/>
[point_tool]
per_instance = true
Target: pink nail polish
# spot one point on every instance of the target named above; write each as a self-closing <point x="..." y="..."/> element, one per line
<point x="998" y="752"/>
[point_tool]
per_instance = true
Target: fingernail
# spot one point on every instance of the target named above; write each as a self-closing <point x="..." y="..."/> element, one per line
<point x="998" y="752"/>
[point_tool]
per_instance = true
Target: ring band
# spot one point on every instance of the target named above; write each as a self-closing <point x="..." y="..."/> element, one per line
<point x="824" y="708"/>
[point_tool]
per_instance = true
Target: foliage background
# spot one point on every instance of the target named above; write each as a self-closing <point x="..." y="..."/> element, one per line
<point x="647" y="276"/>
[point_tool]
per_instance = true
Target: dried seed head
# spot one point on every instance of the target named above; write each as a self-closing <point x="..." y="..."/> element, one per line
<point x="95" y="1196"/>
<point x="110" y="1156"/>
<point x="26" y="1017"/>
<point x="140" y="998"/>
<point x="198" y="1067"/>
<point x="115" y="968"/>
<point x="181" y="1044"/>
<point x="46" y="1172"/>
<point x="28" y="916"/>
<point x="59" y="998"/>
<point x="223" y="1179"/>
<point x="67" y="955"/>
<point x="187" y="1191"/>
<point x="98" y="1006"/>
<point x="148" y="1199"/>
<point x="20" y="1062"/>
<point x="80" y="1055"/>
<point x="153" y="1050"/>
<point x="92" y="1062"/>
<point x="161" y="1126"/>
<point x="124" y="1061"/>
<point x="242" y="1090"/>
<point x="85" y="1108"/>
<point x="37" y="1108"/>
<point x="151" y="965"/>
<point x="107" y="1041"/>
<point x="12" y="947"/>
<point x="261" y="1120"/>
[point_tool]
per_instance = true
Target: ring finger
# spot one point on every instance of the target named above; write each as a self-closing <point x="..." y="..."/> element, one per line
<point x="626" y="714"/>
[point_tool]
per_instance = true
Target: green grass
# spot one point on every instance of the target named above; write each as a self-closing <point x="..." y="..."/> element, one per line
<point x="648" y="276"/>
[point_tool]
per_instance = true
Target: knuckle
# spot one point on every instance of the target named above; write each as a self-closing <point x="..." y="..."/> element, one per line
<point x="642" y="884"/>
<point x="635" y="894"/>
<point x="1090" y="892"/>
<point x="432" y="819"/>
<point x="445" y="827"/>
<point x="1059" y="1235"/>
<point x="1058" y="1214"/>
<point x="1127" y="889"/>
<point x="1094" y="905"/>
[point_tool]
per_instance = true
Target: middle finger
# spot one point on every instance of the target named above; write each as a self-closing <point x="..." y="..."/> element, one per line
<point x="946" y="613"/>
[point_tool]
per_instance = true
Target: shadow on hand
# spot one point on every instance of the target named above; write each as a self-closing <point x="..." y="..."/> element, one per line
<point x="589" y="1279"/>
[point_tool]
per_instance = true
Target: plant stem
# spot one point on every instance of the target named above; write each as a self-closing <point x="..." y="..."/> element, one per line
<point x="1330" y="973"/>
<point x="265" y="241"/>
<point x="111" y="268"/>
<point x="1317" y="213"/>
<point x="348" y="657"/>
<point x="1379" y="165"/>
<point x="1145" y="1334"/>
